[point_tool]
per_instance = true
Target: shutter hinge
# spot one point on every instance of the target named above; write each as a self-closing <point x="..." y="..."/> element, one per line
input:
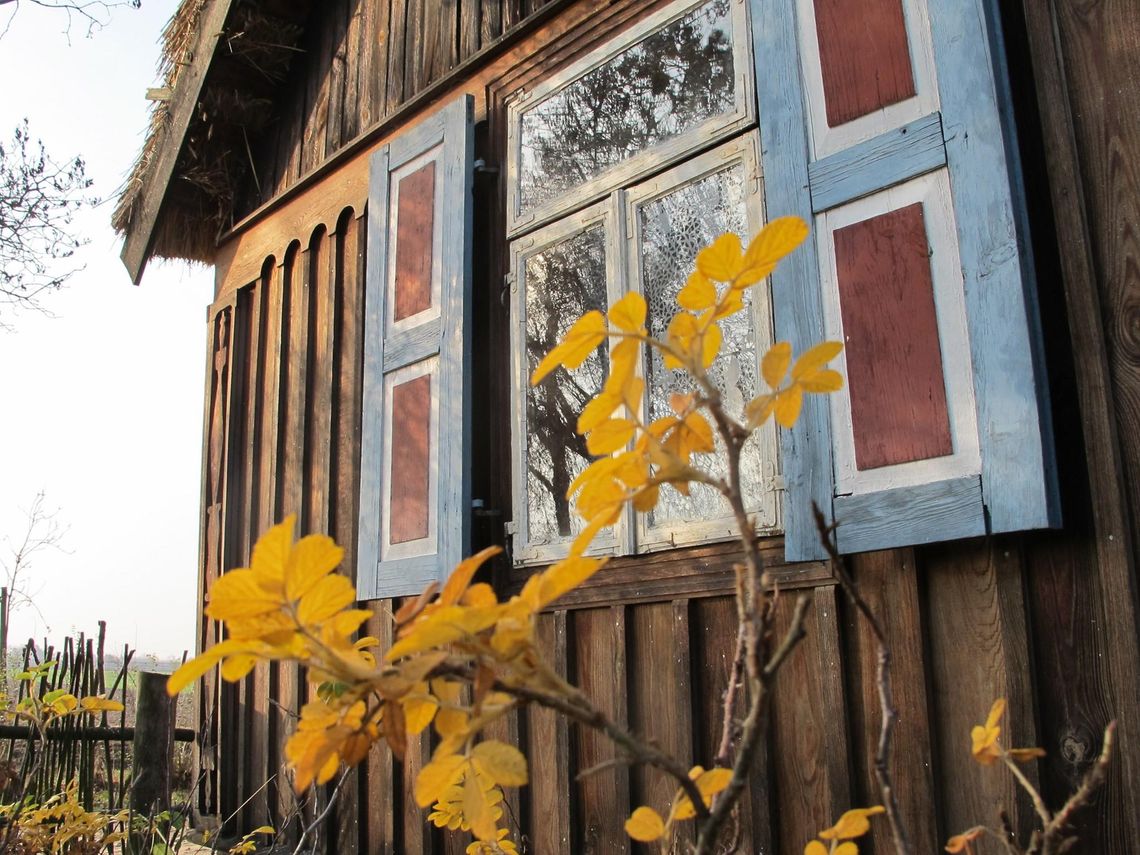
<point x="509" y="287"/>
<point x="480" y="165"/>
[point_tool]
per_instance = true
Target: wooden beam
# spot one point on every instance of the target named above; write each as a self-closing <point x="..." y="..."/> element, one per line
<point x="140" y="232"/>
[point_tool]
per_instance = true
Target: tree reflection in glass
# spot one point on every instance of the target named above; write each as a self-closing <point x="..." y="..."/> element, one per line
<point x="664" y="85"/>
<point x="562" y="283"/>
<point x="673" y="228"/>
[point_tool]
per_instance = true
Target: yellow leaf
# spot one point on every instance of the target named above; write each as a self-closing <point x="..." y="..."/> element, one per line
<point x="680" y="404"/>
<point x="722" y="259"/>
<point x="815" y="848"/>
<point x="600" y="408"/>
<point x="446" y="625"/>
<point x="825" y="380"/>
<point x="95" y="703"/>
<point x="710" y="344"/>
<point x="1025" y="755"/>
<point x="199" y="665"/>
<point x="996" y="712"/>
<point x="631" y="392"/>
<point x="586" y="536"/>
<point x="264" y="829"/>
<point x="679" y="336"/>
<point x="645" y="825"/>
<point x="437" y="776"/>
<point x="773" y="242"/>
<point x="236" y="667"/>
<point x="731" y="303"/>
<point x="325" y="599"/>
<point x="579" y="342"/>
<point x="477" y="808"/>
<point x="419" y="709"/>
<point x="787" y="406"/>
<point x="237" y="594"/>
<point x="564" y="576"/>
<point x="774" y="365"/>
<point x="623" y="364"/>
<point x="815" y="358"/>
<point x="698" y="294"/>
<point x="713" y="781"/>
<point x="271" y="552"/>
<point x="313" y="558"/>
<point x="609" y="436"/>
<point x="480" y="594"/>
<point x="961" y="842"/>
<point x="503" y="764"/>
<point x="462" y="575"/>
<point x="628" y="313"/>
<point x="646" y="499"/>
<point x="699" y="436"/>
<point x="853" y="823"/>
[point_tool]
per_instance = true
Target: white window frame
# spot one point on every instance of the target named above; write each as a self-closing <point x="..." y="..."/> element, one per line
<point x="764" y="510"/>
<point x="600" y="214"/>
<point x="617" y="216"/>
<point x="649" y="160"/>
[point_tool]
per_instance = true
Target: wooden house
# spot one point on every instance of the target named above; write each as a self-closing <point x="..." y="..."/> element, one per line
<point x="406" y="200"/>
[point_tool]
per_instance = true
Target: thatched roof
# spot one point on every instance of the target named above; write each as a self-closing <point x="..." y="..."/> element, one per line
<point x="220" y="65"/>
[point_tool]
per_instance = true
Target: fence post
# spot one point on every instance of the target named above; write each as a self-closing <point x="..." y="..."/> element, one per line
<point x="153" y="750"/>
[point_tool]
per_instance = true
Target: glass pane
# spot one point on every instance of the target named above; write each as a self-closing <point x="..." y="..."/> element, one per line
<point x="674" y="228"/>
<point x="662" y="86"/>
<point x="563" y="282"/>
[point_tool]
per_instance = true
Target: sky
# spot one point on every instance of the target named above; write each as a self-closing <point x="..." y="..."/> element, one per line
<point x="101" y="405"/>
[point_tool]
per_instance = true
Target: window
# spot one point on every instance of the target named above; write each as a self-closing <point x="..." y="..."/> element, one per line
<point x="611" y="190"/>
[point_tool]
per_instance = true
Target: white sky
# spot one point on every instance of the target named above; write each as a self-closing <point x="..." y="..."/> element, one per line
<point x="101" y="407"/>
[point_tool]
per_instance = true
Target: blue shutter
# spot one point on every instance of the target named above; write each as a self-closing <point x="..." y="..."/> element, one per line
<point x="950" y="140"/>
<point x="415" y="494"/>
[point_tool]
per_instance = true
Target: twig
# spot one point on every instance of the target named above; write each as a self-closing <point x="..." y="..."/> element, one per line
<point x="882" y="681"/>
<point x="1052" y="839"/>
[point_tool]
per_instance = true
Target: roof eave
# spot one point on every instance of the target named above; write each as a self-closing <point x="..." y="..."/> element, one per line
<point x="156" y="181"/>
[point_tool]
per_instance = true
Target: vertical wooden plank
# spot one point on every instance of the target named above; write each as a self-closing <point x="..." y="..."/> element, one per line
<point x="250" y="302"/>
<point x="660" y="696"/>
<point x="714" y="633"/>
<point x="235" y="735"/>
<point x="810" y="758"/>
<point x="417" y="836"/>
<point x="291" y="483"/>
<point x="313" y="149"/>
<point x="979" y="651"/>
<point x="265" y="759"/>
<point x="1084" y="83"/>
<point x="889" y="583"/>
<point x="381" y="793"/>
<point x="468" y="28"/>
<point x="397" y="52"/>
<point x="338" y="76"/>
<point x="357" y="112"/>
<point x="600" y="660"/>
<point x="550" y="793"/>
<point x="206" y="706"/>
<point x="345" y="262"/>
<point x="490" y="20"/>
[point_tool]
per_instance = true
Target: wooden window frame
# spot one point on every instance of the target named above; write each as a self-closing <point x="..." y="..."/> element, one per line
<point x="650" y="160"/>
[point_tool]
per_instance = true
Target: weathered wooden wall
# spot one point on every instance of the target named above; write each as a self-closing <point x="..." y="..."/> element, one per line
<point x="1047" y="620"/>
<point x="367" y="58"/>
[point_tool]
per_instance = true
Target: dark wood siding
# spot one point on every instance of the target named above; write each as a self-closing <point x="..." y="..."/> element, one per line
<point x="360" y="61"/>
<point x="1044" y="619"/>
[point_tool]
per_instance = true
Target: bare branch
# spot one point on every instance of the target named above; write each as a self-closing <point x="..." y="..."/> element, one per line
<point x="38" y="199"/>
